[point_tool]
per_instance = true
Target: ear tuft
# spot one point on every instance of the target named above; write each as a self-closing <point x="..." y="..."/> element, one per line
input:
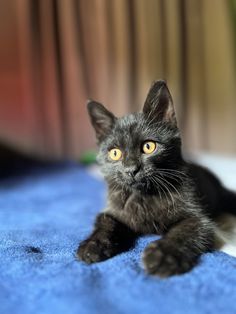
<point x="101" y="119"/>
<point x="159" y="103"/>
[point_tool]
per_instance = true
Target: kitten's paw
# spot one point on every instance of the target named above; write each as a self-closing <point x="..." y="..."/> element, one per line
<point x="93" y="251"/>
<point x="164" y="261"/>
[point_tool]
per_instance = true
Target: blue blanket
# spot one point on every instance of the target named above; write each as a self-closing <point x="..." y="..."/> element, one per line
<point x="45" y="213"/>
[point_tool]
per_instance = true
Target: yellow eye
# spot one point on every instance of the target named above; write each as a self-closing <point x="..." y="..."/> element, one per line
<point x="149" y="147"/>
<point x="115" y="154"/>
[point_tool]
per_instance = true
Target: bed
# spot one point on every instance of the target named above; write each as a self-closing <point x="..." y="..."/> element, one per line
<point x="46" y="210"/>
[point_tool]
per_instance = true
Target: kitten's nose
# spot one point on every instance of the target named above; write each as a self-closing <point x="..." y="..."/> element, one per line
<point x="132" y="171"/>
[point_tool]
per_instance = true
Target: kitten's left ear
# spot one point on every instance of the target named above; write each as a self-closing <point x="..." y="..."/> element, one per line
<point x="101" y="119"/>
<point x="159" y="103"/>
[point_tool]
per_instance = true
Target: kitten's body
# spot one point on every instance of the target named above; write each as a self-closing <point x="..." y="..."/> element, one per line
<point x="158" y="193"/>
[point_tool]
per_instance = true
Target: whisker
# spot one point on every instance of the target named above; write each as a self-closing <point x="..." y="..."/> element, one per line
<point x="158" y="186"/>
<point x="162" y="185"/>
<point x="168" y="190"/>
<point x="170" y="184"/>
<point x="175" y="171"/>
<point x="171" y="176"/>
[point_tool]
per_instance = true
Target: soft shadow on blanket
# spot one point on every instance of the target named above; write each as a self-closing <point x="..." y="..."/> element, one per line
<point x="45" y="212"/>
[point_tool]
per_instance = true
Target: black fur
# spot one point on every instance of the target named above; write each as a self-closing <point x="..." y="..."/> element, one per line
<point x="158" y="193"/>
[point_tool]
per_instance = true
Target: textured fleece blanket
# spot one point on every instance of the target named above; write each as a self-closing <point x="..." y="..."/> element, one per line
<point x="45" y="213"/>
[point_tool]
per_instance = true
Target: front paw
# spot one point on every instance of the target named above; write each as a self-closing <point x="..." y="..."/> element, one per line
<point x="93" y="251"/>
<point x="165" y="261"/>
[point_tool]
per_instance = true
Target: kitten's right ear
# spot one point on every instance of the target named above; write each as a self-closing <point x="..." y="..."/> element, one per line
<point x="101" y="119"/>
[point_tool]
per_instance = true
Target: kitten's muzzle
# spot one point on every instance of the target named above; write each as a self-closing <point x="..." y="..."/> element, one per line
<point x="132" y="171"/>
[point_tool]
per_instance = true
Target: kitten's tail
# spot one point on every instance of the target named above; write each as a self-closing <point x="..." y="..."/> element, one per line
<point x="228" y="203"/>
<point x="226" y="234"/>
<point x="226" y="224"/>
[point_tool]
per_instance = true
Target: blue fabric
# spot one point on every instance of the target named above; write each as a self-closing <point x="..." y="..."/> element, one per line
<point x="45" y="213"/>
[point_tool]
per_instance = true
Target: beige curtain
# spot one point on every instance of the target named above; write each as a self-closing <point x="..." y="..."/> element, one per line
<point x="57" y="53"/>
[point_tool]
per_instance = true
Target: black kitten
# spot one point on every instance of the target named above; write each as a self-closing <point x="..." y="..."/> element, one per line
<point x="152" y="190"/>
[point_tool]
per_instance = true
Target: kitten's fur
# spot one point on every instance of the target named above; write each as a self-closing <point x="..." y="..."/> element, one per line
<point x="158" y="193"/>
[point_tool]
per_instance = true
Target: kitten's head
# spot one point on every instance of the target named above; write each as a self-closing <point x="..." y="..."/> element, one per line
<point x="139" y="149"/>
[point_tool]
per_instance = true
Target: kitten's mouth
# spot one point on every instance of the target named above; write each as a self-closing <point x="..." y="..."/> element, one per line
<point x="139" y="185"/>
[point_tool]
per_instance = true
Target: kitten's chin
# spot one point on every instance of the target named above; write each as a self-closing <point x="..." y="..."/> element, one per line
<point x="141" y="186"/>
<point x="132" y="184"/>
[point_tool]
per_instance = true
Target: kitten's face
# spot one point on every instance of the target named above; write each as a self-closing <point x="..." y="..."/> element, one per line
<point x="136" y="149"/>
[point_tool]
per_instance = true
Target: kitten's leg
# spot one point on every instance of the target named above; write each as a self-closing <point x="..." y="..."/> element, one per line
<point x="178" y="251"/>
<point x="109" y="238"/>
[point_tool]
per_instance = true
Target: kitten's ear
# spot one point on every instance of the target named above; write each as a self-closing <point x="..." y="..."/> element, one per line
<point x="101" y="119"/>
<point x="159" y="103"/>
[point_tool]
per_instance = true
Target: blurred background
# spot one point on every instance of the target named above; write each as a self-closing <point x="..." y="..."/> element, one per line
<point x="55" y="54"/>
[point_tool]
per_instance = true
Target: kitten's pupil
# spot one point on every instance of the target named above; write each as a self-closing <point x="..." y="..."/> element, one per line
<point x="115" y="153"/>
<point x="148" y="146"/>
